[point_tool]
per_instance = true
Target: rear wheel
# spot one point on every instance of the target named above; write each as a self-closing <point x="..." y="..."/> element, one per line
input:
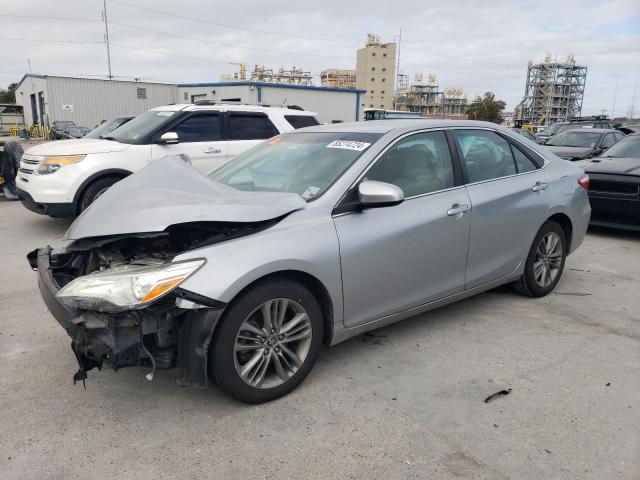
<point x="545" y="262"/>
<point x="95" y="189"/>
<point x="268" y="341"/>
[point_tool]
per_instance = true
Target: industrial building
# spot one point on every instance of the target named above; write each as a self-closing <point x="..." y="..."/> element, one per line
<point x="427" y="99"/>
<point x="338" y="78"/>
<point x="375" y="72"/>
<point x="87" y="101"/>
<point x="554" y="92"/>
<point x="260" y="73"/>
<point x="331" y="104"/>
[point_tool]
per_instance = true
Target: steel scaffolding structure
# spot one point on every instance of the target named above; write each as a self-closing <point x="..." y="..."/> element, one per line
<point x="553" y="93"/>
<point x="429" y="100"/>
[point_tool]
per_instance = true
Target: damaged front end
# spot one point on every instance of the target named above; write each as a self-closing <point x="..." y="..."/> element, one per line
<point x="120" y="301"/>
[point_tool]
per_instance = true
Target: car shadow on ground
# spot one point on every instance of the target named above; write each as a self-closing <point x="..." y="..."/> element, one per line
<point x="614" y="233"/>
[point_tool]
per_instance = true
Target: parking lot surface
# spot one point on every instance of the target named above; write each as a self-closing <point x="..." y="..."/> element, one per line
<point x="405" y="401"/>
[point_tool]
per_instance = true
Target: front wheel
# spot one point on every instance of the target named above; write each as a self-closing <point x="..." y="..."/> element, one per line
<point x="268" y="341"/>
<point x="545" y="262"/>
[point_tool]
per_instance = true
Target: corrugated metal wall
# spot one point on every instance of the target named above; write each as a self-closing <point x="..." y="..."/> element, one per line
<point x="329" y="105"/>
<point x="97" y="100"/>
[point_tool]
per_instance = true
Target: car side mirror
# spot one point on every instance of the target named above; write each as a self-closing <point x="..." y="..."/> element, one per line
<point x="373" y="194"/>
<point x="169" y="138"/>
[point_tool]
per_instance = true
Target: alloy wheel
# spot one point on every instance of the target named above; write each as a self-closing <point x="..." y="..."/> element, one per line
<point x="548" y="259"/>
<point x="272" y="343"/>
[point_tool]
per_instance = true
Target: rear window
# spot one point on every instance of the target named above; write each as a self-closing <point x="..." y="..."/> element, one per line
<point x="248" y="126"/>
<point x="301" y="121"/>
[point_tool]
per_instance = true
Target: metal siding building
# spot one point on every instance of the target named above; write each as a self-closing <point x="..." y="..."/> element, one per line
<point x="92" y="100"/>
<point x="331" y="104"/>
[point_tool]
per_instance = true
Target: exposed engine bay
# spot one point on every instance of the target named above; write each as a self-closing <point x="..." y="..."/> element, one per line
<point x="174" y="330"/>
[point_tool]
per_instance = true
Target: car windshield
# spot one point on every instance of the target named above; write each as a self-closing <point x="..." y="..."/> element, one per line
<point x="571" y="138"/>
<point x="138" y="128"/>
<point x="628" y="147"/>
<point x="106" y="128"/>
<point x="76" y="130"/>
<point x="302" y="163"/>
<point x="551" y="129"/>
<point x="63" y="123"/>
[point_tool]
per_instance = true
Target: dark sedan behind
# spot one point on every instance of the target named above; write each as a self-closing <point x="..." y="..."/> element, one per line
<point x="614" y="190"/>
<point x="583" y="143"/>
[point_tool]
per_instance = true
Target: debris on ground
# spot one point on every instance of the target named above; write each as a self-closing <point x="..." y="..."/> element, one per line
<point x="497" y="394"/>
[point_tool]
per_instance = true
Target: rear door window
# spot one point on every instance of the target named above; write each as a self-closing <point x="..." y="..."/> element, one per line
<point x="608" y="140"/>
<point x="301" y="121"/>
<point x="250" y="126"/>
<point x="486" y="155"/>
<point x="523" y="163"/>
<point x="199" y="128"/>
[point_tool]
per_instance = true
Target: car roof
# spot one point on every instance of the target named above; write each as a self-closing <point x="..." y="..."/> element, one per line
<point x="592" y="130"/>
<point x="191" y="107"/>
<point x="399" y="126"/>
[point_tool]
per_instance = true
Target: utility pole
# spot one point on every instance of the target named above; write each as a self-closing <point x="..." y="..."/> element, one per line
<point x="106" y="36"/>
<point x="615" y="94"/>
<point x="633" y="99"/>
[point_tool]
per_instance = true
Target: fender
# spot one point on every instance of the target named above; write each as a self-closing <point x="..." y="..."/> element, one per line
<point x="92" y="178"/>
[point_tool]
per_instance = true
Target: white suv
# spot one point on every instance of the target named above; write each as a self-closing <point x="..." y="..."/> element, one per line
<point x="63" y="178"/>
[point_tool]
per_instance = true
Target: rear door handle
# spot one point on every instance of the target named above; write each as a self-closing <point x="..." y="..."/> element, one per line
<point x="213" y="150"/>
<point x="457" y="209"/>
<point x="539" y="186"/>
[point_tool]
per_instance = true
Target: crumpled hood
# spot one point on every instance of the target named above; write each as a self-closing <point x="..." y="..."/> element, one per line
<point x="573" y="152"/>
<point x="612" y="165"/>
<point x="170" y="191"/>
<point x="77" y="147"/>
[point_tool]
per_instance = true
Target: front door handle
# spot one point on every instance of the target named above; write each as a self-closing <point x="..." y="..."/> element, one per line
<point x="213" y="150"/>
<point x="539" y="186"/>
<point x="457" y="209"/>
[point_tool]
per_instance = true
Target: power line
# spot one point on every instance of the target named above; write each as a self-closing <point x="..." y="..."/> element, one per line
<point x="184" y="37"/>
<point x="39" y="17"/>
<point x="158" y="52"/>
<point x="234" y="27"/>
<point x="48" y="40"/>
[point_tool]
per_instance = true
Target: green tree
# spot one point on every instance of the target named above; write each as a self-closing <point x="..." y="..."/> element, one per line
<point x="8" y="95"/>
<point x="486" y="108"/>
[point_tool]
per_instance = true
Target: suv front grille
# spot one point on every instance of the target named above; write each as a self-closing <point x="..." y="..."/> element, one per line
<point x="28" y="164"/>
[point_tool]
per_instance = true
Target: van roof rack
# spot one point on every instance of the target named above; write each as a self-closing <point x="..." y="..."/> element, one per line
<point x="233" y="102"/>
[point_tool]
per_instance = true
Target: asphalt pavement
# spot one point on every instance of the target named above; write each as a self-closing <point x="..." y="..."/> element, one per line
<point x="405" y="401"/>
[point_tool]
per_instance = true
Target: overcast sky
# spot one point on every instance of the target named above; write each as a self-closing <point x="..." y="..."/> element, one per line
<point x="475" y="45"/>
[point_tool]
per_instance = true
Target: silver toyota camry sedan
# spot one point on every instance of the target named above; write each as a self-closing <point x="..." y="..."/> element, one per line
<point x="312" y="237"/>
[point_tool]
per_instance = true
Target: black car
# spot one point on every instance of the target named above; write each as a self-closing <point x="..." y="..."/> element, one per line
<point x="58" y="127"/>
<point x="105" y="128"/>
<point x="583" y="143"/>
<point x="572" y="124"/>
<point x="614" y="189"/>
<point x="525" y="133"/>
<point x="74" y="131"/>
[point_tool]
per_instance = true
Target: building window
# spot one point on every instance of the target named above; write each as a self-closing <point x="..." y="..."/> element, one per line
<point x="186" y="96"/>
<point x="384" y="69"/>
<point x="373" y="69"/>
<point x="381" y="106"/>
<point x="371" y="105"/>
<point x="141" y="93"/>
<point x="372" y="91"/>
<point x="384" y="54"/>
<point x="373" y="79"/>
<point x="373" y="55"/>
<point x="383" y="79"/>
<point x="382" y="92"/>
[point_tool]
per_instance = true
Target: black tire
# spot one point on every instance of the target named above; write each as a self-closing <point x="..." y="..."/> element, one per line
<point x="527" y="284"/>
<point x="94" y="190"/>
<point x="221" y="351"/>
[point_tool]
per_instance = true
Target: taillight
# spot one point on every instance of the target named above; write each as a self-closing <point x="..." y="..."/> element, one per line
<point x="583" y="181"/>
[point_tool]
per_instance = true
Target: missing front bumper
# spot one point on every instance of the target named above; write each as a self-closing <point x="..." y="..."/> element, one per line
<point x="160" y="337"/>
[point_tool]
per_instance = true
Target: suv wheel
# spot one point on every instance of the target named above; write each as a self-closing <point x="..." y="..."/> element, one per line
<point x="267" y="342"/>
<point x="545" y="262"/>
<point x="94" y="190"/>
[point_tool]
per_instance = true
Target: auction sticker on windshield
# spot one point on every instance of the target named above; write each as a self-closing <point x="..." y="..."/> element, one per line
<point x="349" y="145"/>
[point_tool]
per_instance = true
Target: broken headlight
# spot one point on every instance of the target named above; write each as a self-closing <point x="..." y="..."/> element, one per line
<point x="126" y="287"/>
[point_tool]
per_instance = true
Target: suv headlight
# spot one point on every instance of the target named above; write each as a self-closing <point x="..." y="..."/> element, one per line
<point x="127" y="287"/>
<point x="53" y="164"/>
